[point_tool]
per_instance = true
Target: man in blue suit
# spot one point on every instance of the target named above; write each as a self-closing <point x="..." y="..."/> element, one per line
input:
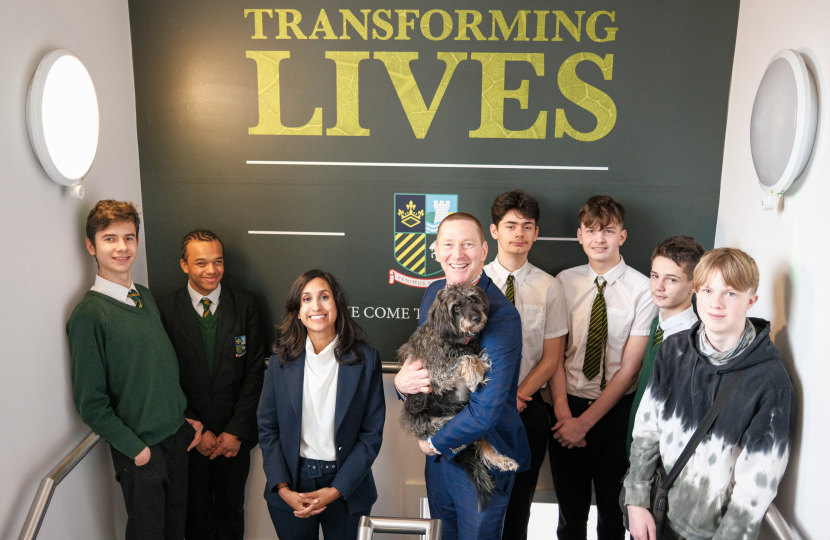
<point x="491" y="413"/>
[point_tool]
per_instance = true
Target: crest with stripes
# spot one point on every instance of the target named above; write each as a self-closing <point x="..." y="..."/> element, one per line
<point x="417" y="216"/>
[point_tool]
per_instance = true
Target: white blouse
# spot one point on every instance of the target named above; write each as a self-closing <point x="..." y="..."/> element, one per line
<point x="319" y="400"/>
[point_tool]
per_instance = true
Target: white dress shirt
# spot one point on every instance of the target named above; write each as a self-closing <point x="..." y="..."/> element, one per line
<point x="682" y="321"/>
<point x="114" y="290"/>
<point x="319" y="400"/>
<point x="540" y="301"/>
<point x="630" y="313"/>
<point x="196" y="298"/>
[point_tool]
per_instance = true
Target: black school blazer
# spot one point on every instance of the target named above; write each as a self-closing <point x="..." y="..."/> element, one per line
<point x="225" y="401"/>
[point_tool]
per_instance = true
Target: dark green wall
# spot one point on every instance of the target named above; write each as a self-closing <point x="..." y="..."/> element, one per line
<point x="196" y="96"/>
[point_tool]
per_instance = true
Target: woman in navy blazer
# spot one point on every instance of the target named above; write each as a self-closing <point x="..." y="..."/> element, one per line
<point x="306" y="491"/>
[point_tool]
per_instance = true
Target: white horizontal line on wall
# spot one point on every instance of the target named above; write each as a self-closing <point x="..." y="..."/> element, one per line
<point x="558" y="239"/>
<point x="430" y="165"/>
<point x="299" y="233"/>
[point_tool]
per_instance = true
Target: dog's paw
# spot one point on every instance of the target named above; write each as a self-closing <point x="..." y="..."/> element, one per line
<point x="472" y="370"/>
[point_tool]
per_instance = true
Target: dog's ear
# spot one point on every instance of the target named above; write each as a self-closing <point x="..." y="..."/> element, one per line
<point x="442" y="318"/>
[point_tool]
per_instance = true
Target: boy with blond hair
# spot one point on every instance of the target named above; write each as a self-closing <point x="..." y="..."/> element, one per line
<point x="609" y="319"/>
<point x="727" y="485"/>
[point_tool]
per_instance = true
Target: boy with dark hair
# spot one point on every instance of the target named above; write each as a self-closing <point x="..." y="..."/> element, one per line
<point x="724" y="490"/>
<point x="672" y="268"/>
<point x="609" y="315"/>
<point x="218" y="337"/>
<point x="539" y="298"/>
<point x="126" y="380"/>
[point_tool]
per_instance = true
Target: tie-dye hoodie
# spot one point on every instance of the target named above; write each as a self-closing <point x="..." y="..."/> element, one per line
<point x="728" y="483"/>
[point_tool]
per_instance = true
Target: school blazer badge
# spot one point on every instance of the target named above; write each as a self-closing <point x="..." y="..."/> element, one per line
<point x="240" y="345"/>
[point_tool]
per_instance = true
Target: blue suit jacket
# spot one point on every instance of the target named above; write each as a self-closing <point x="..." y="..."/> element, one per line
<point x="358" y="427"/>
<point x="491" y="413"/>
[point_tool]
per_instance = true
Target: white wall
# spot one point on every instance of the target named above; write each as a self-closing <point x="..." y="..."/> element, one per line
<point x="787" y="244"/>
<point x="45" y="269"/>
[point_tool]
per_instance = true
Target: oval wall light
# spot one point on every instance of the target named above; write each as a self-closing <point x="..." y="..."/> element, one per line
<point x="783" y="125"/>
<point x="62" y="119"/>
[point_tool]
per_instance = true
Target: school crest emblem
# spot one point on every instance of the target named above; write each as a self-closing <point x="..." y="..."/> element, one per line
<point x="416" y="218"/>
<point x="240" y="345"/>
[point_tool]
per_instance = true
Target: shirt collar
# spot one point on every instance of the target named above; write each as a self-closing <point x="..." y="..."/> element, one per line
<point x="328" y="351"/>
<point x="196" y="297"/>
<point x="114" y="290"/>
<point x="612" y="275"/>
<point x="682" y="317"/>
<point x="519" y="275"/>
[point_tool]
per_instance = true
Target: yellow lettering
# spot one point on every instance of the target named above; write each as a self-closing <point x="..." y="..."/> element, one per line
<point x="591" y="27"/>
<point x="348" y="100"/>
<point x="258" y="21"/>
<point x="493" y="95"/>
<point x="268" y="89"/>
<point x="323" y="25"/>
<point x="586" y="96"/>
<point x="574" y="29"/>
<point x="380" y="23"/>
<point x="404" y="23"/>
<point x="417" y="112"/>
<point x="540" y="25"/>
<point x="285" y="24"/>
<point x="425" y="30"/>
<point x="520" y="20"/>
<point x="362" y="29"/>
<point x="464" y="25"/>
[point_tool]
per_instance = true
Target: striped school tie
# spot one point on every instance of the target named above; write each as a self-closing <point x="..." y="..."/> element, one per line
<point x="133" y="294"/>
<point x="658" y="336"/>
<point x="597" y="333"/>
<point x="510" y="293"/>
<point x="206" y="303"/>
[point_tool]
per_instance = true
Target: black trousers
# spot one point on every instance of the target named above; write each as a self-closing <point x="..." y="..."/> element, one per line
<point x="216" y="496"/>
<point x="603" y="461"/>
<point x="156" y="493"/>
<point x="336" y="521"/>
<point x="536" y="419"/>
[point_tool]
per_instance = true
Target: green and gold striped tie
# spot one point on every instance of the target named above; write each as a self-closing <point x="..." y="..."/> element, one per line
<point x="133" y="294"/>
<point x="658" y="336"/>
<point x="510" y="293"/>
<point x="206" y="303"/>
<point x="597" y="334"/>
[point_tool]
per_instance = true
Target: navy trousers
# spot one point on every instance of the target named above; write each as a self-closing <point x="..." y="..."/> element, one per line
<point x="452" y="499"/>
<point x="336" y="521"/>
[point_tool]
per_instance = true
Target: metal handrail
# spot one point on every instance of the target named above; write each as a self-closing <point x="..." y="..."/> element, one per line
<point x="390" y="367"/>
<point x="779" y="525"/>
<point x="429" y="528"/>
<point x="47" y="486"/>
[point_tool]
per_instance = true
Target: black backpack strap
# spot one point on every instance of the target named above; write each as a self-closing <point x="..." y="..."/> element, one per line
<point x="721" y="399"/>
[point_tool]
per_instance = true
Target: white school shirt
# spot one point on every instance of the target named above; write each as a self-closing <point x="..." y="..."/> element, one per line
<point x="196" y="298"/>
<point x="114" y="290"/>
<point x="540" y="302"/>
<point x="682" y="321"/>
<point x="630" y="312"/>
<point x="319" y="400"/>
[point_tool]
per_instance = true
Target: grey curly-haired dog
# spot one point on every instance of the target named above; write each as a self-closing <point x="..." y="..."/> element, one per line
<point x="447" y="345"/>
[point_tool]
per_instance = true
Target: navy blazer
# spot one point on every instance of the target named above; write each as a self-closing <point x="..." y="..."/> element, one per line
<point x="491" y="413"/>
<point x="359" y="415"/>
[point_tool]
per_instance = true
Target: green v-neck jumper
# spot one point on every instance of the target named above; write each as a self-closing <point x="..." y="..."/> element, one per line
<point x="125" y="374"/>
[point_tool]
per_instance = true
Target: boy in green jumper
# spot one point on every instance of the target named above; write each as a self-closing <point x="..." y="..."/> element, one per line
<point x="126" y="380"/>
<point x="672" y="267"/>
